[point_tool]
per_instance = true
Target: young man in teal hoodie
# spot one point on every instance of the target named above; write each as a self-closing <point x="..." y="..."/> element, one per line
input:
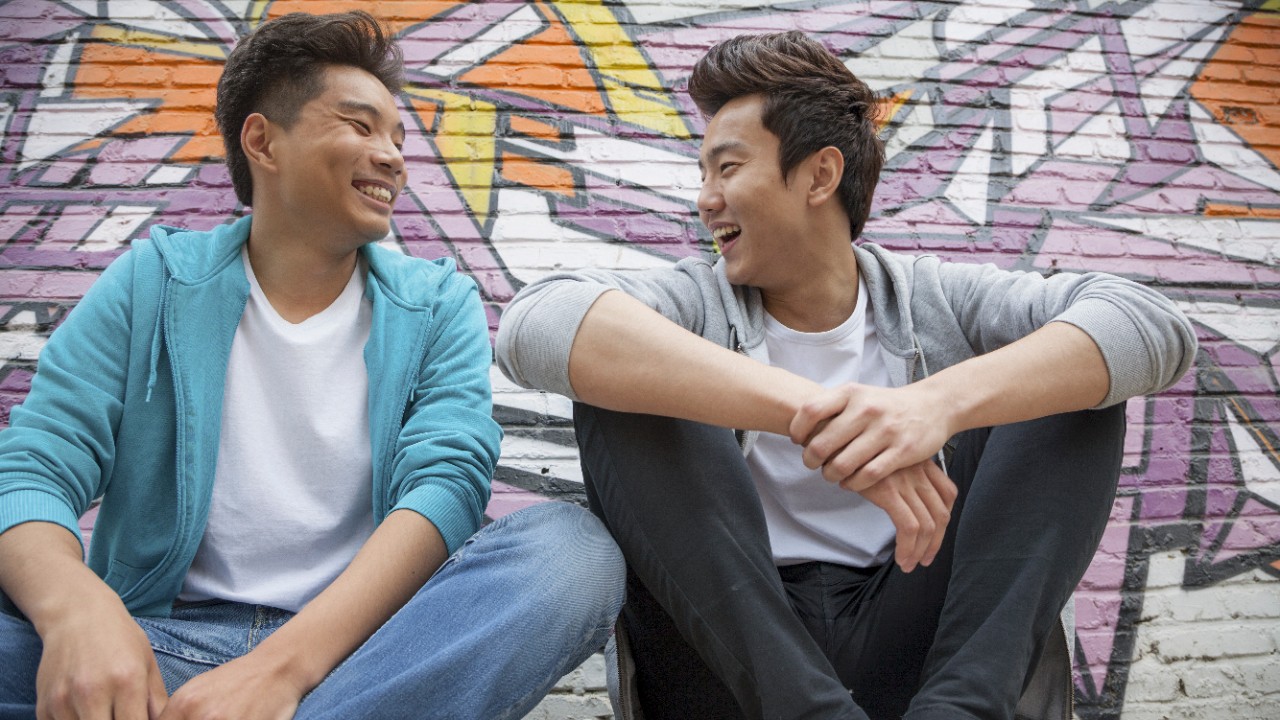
<point x="289" y="429"/>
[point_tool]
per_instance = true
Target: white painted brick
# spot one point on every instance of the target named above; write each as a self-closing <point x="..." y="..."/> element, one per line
<point x="588" y="677"/>
<point x="1213" y="640"/>
<point x="1245" y="678"/>
<point x="1152" y="683"/>
<point x="572" y="707"/>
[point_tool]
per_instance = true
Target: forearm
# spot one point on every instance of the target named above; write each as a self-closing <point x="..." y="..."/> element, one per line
<point x="398" y="559"/>
<point x="43" y="573"/>
<point x="628" y="357"/>
<point x="1055" y="369"/>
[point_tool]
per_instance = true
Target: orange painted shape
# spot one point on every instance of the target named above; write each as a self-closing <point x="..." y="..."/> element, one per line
<point x="887" y="108"/>
<point x="1235" y="87"/>
<point x="426" y="111"/>
<point x="548" y="66"/>
<point x="116" y="71"/>
<point x="533" y="127"/>
<point x="1220" y="209"/>
<point x="397" y="15"/>
<point x="535" y="174"/>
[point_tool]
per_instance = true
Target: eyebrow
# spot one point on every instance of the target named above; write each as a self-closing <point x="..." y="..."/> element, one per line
<point x="719" y="149"/>
<point x="355" y="106"/>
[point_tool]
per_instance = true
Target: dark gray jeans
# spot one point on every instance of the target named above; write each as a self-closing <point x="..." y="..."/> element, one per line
<point x="717" y="631"/>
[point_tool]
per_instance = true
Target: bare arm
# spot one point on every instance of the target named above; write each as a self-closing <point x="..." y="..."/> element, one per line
<point x="397" y="560"/>
<point x="860" y="434"/>
<point x="96" y="661"/>
<point x="627" y="357"/>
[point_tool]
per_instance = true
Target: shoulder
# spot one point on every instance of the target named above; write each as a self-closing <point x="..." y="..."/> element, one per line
<point x="416" y="281"/>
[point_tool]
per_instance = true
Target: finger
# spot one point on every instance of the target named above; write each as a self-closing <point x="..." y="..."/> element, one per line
<point x="850" y="464"/>
<point x="130" y="702"/>
<point x="89" y="703"/>
<point x="906" y="526"/>
<point x="884" y="463"/>
<point x="924" y="520"/>
<point x="808" y="420"/>
<point x="157" y="695"/>
<point x="837" y="434"/>
<point x="943" y="484"/>
<point x="939" y="511"/>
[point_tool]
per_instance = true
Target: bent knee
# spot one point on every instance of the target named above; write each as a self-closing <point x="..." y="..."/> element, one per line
<point x="574" y="553"/>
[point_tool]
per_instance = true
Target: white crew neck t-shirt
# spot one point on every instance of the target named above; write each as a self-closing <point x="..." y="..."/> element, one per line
<point x="808" y="518"/>
<point x="292" y="493"/>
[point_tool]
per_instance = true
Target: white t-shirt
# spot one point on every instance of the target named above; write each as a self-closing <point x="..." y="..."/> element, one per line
<point x="809" y="518"/>
<point x="292" y="494"/>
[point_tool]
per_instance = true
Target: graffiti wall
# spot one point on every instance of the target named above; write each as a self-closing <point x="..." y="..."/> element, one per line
<point x="1130" y="136"/>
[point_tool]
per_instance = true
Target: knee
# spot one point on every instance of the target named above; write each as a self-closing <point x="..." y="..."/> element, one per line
<point x="575" y="558"/>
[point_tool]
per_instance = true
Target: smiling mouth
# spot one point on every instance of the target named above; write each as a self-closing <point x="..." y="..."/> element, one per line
<point x="726" y="234"/>
<point x="377" y="192"/>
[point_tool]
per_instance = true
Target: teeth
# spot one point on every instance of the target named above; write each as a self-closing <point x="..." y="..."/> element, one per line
<point x="376" y="192"/>
<point x="724" y="231"/>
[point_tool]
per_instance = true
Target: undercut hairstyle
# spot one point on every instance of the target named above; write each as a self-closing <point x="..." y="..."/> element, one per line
<point x="811" y="101"/>
<point x="279" y="67"/>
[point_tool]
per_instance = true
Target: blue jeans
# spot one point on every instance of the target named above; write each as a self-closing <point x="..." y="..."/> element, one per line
<point x="520" y="604"/>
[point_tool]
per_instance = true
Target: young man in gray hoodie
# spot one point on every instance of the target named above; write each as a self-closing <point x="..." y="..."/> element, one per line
<point x="926" y="453"/>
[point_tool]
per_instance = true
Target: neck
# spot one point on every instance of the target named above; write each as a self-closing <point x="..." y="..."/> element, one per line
<point x="823" y="290"/>
<point x="299" y="276"/>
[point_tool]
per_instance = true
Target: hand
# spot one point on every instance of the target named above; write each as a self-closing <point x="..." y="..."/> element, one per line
<point x="918" y="500"/>
<point x="97" y="664"/>
<point x="243" y="689"/>
<point x="880" y="442"/>
<point x="862" y="434"/>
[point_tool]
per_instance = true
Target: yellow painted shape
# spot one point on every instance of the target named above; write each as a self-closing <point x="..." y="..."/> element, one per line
<point x="155" y="41"/>
<point x="1273" y="5"/>
<point x="466" y="138"/>
<point x="637" y="108"/>
<point x="890" y="107"/>
<point x="627" y="77"/>
<point x="258" y="12"/>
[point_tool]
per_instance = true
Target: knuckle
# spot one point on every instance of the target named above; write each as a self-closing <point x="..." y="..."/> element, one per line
<point x="842" y="467"/>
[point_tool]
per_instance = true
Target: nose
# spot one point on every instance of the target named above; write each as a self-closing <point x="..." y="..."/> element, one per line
<point x="709" y="200"/>
<point x="389" y="156"/>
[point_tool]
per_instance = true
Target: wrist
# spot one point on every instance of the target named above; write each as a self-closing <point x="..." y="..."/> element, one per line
<point x="783" y="394"/>
<point x="953" y="408"/>
<point x="81" y="602"/>
<point x="287" y="663"/>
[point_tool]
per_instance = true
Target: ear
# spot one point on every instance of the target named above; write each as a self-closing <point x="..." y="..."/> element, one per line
<point x="255" y="139"/>
<point x="826" y="169"/>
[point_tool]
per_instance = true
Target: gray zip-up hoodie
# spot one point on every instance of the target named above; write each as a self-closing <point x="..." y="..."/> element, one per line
<point x="929" y="315"/>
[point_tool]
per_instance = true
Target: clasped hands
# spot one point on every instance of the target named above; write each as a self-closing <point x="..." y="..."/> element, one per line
<point x="881" y="443"/>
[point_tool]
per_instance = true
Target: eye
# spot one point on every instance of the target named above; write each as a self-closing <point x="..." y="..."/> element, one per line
<point x="727" y="166"/>
<point x="364" y="127"/>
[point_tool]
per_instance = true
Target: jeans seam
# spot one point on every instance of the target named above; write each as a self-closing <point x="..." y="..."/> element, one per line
<point x="188" y="655"/>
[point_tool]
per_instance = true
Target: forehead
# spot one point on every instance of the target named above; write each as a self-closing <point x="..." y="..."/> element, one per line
<point x="345" y="85"/>
<point x="738" y="125"/>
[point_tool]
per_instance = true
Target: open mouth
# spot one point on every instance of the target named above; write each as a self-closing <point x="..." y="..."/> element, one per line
<point x="375" y="191"/>
<point x="725" y="235"/>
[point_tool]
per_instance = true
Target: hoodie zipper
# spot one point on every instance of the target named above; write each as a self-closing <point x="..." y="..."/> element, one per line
<point x="739" y="435"/>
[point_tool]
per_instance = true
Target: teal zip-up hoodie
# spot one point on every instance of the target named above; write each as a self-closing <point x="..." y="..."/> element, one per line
<point x="127" y="405"/>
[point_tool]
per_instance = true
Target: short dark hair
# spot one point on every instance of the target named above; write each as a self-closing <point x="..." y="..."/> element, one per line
<point x="279" y="67"/>
<point x="811" y="101"/>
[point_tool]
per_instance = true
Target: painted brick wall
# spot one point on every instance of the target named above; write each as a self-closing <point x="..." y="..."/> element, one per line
<point x="1134" y="137"/>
